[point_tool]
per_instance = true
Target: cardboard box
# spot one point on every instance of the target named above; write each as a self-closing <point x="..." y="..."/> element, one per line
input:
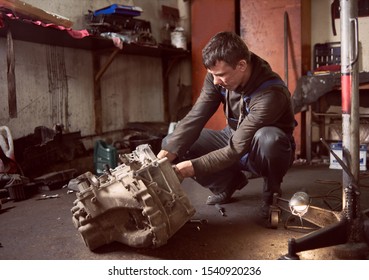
<point x="337" y="149"/>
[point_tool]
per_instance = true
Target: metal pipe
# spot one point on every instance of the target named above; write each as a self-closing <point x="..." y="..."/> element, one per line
<point x="355" y="97"/>
<point x="286" y="48"/>
<point x="349" y="85"/>
<point x="334" y="234"/>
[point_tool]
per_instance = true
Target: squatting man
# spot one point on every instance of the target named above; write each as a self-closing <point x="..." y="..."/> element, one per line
<point x="258" y="137"/>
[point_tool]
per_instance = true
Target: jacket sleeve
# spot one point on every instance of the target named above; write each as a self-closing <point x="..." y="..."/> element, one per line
<point x="265" y="110"/>
<point x="189" y="128"/>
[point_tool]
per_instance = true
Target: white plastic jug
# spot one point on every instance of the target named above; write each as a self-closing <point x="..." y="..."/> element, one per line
<point x="6" y="142"/>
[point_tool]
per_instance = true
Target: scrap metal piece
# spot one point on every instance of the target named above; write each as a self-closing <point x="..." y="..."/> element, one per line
<point x="199" y="221"/>
<point x="220" y="209"/>
<point x="140" y="203"/>
<point x="44" y="196"/>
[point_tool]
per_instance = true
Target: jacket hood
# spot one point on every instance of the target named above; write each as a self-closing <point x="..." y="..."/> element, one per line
<point x="261" y="72"/>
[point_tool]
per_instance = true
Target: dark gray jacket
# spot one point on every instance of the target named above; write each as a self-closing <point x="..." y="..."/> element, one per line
<point x="269" y="107"/>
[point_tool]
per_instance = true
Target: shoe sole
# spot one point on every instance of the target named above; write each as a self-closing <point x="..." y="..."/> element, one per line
<point x="219" y="202"/>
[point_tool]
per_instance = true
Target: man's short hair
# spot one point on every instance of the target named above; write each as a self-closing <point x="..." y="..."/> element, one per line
<point x="225" y="46"/>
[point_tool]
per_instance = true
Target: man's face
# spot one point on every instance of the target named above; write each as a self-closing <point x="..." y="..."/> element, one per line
<point x="228" y="77"/>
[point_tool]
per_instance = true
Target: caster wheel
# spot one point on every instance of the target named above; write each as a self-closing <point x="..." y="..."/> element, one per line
<point x="274" y="219"/>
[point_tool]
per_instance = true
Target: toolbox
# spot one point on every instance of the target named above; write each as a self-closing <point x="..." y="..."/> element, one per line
<point x="119" y="9"/>
<point x="327" y="54"/>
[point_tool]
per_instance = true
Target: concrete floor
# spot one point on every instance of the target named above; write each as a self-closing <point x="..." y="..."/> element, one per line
<point x="35" y="229"/>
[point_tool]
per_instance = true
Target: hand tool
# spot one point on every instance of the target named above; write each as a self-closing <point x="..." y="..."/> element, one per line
<point x="202" y="221"/>
<point x="44" y="196"/>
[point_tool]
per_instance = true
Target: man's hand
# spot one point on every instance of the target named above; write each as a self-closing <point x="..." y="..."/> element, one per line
<point x="168" y="155"/>
<point x="185" y="169"/>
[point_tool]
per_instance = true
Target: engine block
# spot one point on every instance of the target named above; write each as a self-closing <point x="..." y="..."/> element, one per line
<point x="139" y="203"/>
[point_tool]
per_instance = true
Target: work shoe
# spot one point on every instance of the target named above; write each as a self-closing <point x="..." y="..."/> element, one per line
<point x="265" y="210"/>
<point x="266" y="204"/>
<point x="226" y="196"/>
<point x="220" y="198"/>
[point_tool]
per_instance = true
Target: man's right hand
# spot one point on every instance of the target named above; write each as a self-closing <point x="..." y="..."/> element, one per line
<point x="170" y="156"/>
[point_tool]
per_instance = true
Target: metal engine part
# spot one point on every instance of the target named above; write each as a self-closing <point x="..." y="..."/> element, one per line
<point x="139" y="203"/>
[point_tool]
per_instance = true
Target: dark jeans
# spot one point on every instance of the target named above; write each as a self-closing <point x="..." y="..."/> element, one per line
<point x="270" y="157"/>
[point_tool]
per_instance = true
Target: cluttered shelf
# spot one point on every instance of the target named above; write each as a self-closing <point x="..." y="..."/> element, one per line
<point x="51" y="35"/>
<point x="320" y="97"/>
<point x="134" y="37"/>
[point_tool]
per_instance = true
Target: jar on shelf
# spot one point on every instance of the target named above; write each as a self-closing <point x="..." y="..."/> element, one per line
<point x="178" y="38"/>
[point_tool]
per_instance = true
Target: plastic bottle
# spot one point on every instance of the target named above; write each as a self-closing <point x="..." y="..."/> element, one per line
<point x="178" y="38"/>
<point x="165" y="35"/>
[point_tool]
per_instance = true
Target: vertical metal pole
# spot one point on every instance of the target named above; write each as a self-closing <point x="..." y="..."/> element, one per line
<point x="350" y="94"/>
<point x="355" y="97"/>
<point x="286" y="47"/>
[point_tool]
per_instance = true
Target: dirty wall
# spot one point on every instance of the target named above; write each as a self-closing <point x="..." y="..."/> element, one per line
<point x="55" y="84"/>
<point x="321" y="26"/>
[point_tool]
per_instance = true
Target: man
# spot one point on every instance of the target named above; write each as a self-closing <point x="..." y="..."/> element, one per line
<point x="260" y="122"/>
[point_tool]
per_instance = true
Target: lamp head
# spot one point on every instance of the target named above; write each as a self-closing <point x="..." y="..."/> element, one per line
<point x="299" y="203"/>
